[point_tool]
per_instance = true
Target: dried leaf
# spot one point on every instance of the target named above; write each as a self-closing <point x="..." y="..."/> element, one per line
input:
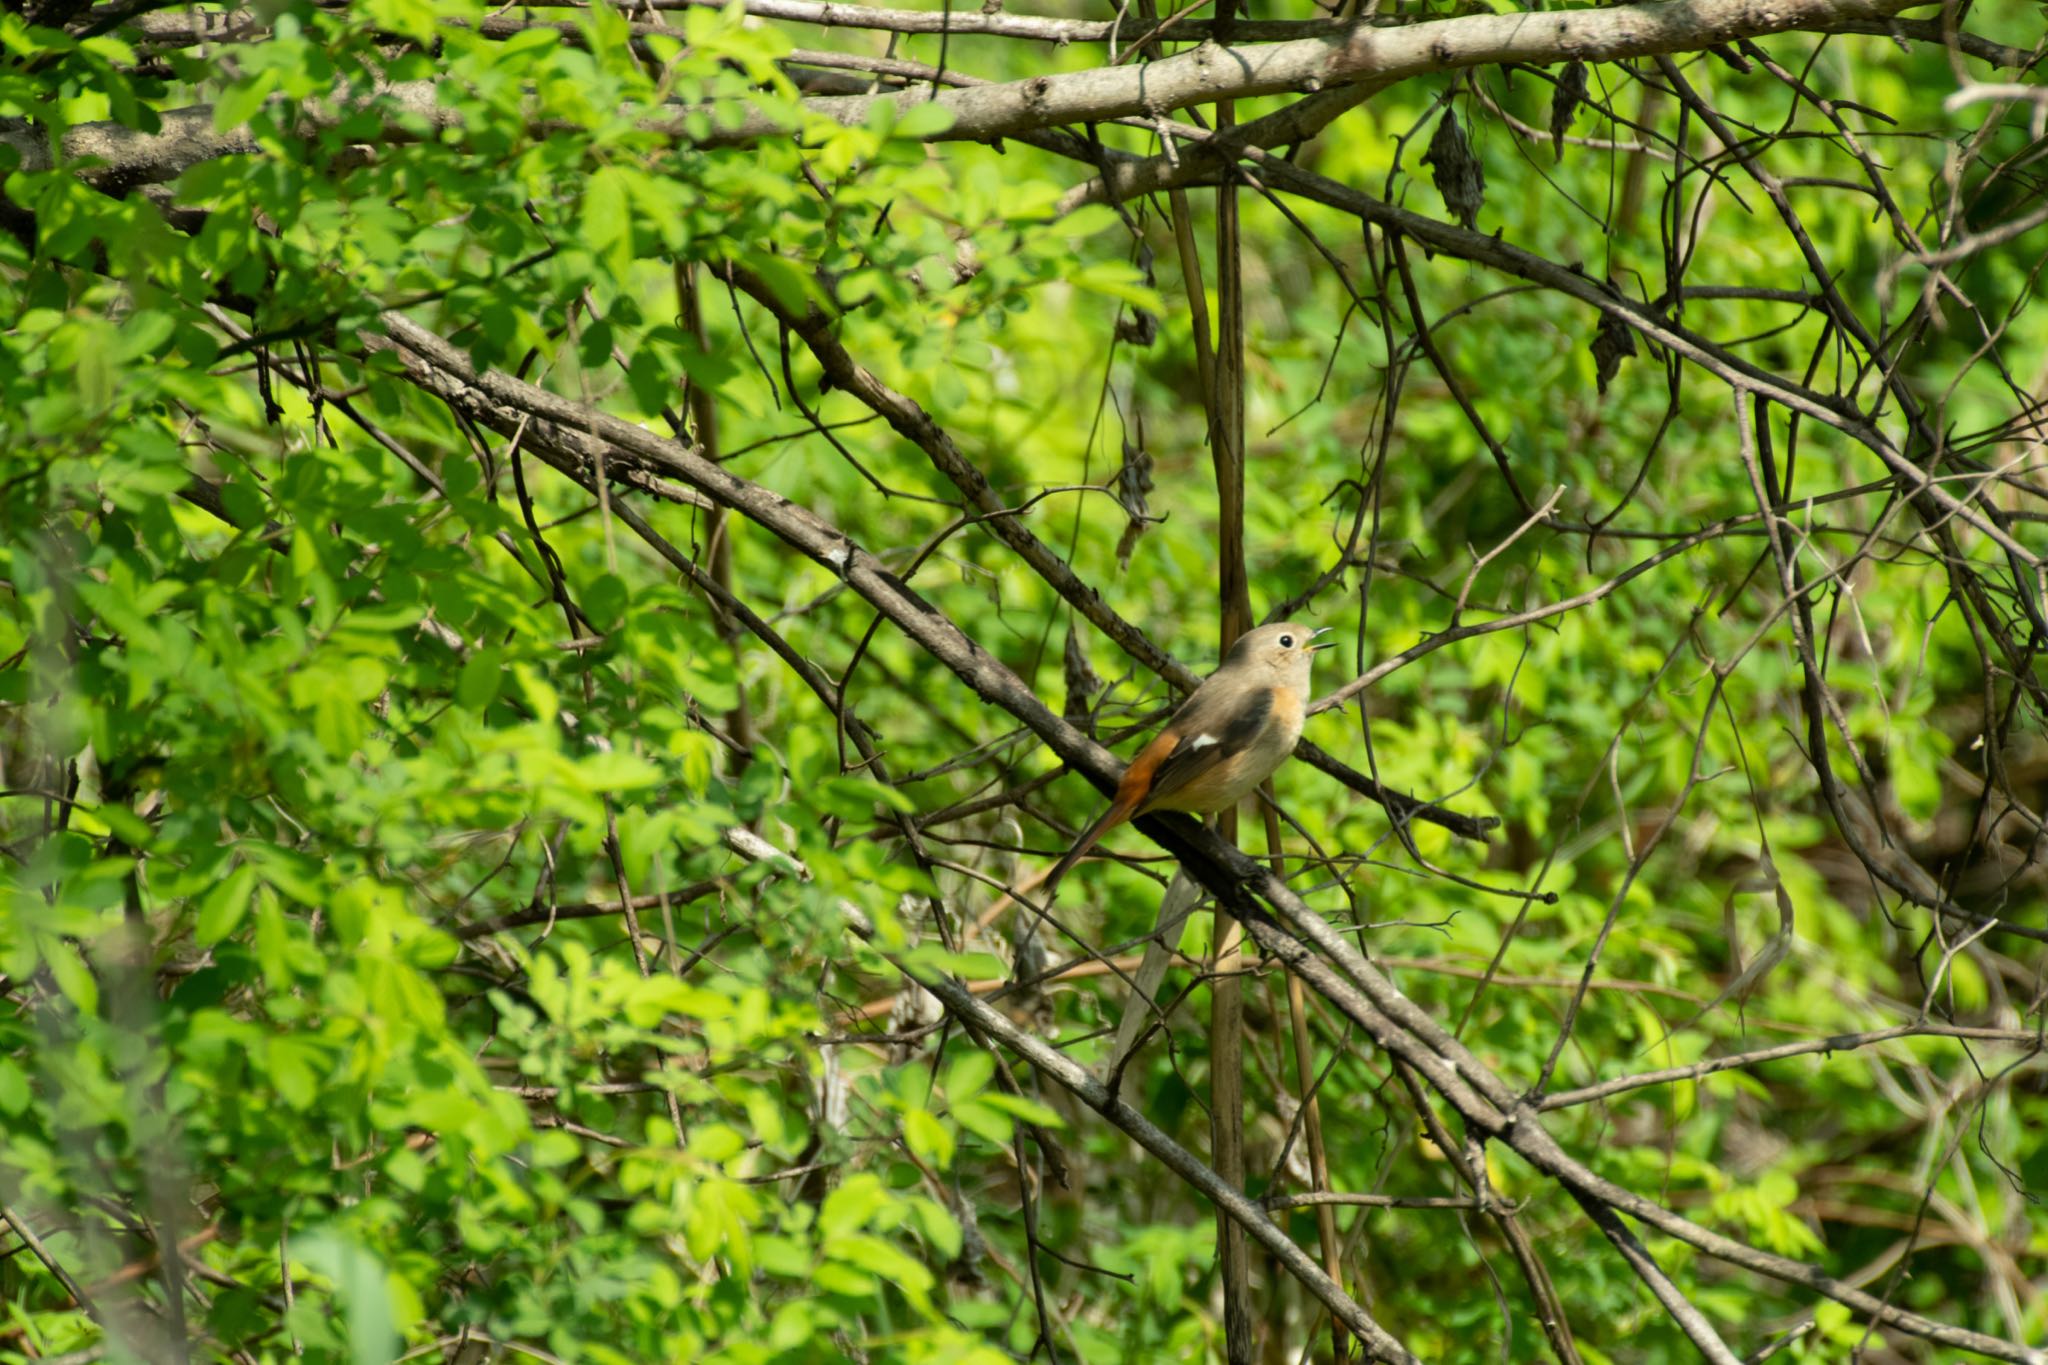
<point x="1298" y="1170"/>
<point x="1082" y="682"/>
<point x="1028" y="959"/>
<point x="1564" y="104"/>
<point x="1614" y="341"/>
<point x="1137" y="328"/>
<point x="1133" y="482"/>
<point x="1459" y="177"/>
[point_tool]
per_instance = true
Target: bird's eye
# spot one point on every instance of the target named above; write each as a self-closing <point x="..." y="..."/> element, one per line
<point x="1287" y="642"/>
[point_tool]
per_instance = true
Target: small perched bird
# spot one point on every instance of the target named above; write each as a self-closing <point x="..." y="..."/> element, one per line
<point x="1238" y="727"/>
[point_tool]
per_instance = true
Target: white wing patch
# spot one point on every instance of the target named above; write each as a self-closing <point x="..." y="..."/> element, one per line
<point x="1202" y="742"/>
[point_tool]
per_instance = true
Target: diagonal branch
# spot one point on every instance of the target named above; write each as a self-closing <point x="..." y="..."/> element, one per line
<point x="1690" y="1320"/>
<point x="443" y="370"/>
<point x="916" y="425"/>
<point x="1394" y="1022"/>
<point x="1485" y="1103"/>
<point x="1228" y="1198"/>
<point x="2030" y="1039"/>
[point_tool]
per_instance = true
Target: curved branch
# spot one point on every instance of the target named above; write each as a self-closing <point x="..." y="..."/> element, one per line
<point x="1291" y="931"/>
<point x="916" y="425"/>
<point x="443" y="370"/>
<point x="2030" y="1039"/>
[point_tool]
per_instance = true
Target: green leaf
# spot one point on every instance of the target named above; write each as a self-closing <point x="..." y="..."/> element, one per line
<point x="222" y="907"/>
<point x="840" y="1277"/>
<point x="606" y="222"/>
<point x="1089" y="219"/>
<point x="929" y="1137"/>
<point x="853" y="1204"/>
<point x="939" y="1226"/>
<point x="604" y="601"/>
<point x="716" y="1142"/>
<point x="1030" y="1110"/>
<point x="554" y="1148"/>
<point x="885" y="1259"/>
<point x="476" y="686"/>
<point x="968" y="1074"/>
<point x="1118" y="281"/>
<point x="984" y="1120"/>
<point x="405" y="1166"/>
<point x="361" y="1284"/>
<point x="286" y="869"/>
<point x="239" y="102"/>
<point x="15" y="1094"/>
<point x="413" y="19"/>
<point x="75" y="981"/>
<point x="131" y="828"/>
<point x="296" y="1068"/>
<point x="970" y="966"/>
<point x="923" y="121"/>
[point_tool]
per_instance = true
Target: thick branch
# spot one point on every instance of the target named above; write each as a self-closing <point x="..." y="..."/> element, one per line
<point x="161" y="28"/>
<point x="179" y="28"/>
<point x="1074" y="1078"/>
<point x="1368" y="998"/>
<point x="915" y="425"/>
<point x="1488" y="1107"/>
<point x="1361" y="54"/>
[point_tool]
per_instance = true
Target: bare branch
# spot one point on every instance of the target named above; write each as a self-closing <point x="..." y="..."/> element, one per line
<point x="1840" y="1042"/>
<point x="1228" y="1199"/>
<point x="1357" y="988"/>
<point x="1359" y="55"/>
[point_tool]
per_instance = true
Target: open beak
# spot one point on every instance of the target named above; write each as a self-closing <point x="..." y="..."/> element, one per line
<point x="1325" y="644"/>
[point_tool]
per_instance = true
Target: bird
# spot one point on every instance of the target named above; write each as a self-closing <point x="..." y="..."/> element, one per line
<point x="1230" y="735"/>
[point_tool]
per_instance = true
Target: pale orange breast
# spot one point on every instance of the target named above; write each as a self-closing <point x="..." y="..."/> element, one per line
<point x="1287" y="708"/>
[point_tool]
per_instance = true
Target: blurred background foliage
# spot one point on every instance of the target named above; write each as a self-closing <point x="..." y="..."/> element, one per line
<point x="324" y="1034"/>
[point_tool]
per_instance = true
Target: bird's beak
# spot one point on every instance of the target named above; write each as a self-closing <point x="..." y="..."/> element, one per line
<point x="1326" y="644"/>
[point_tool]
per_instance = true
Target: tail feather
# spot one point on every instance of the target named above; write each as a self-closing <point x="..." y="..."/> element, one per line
<point x="1117" y="813"/>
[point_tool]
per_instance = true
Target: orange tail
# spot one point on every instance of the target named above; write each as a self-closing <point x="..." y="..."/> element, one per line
<point x="1118" y="812"/>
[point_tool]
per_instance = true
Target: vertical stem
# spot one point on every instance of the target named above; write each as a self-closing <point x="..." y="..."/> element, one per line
<point x="1198" y="302"/>
<point x="1226" y="995"/>
<point x="1311" y="1107"/>
<point x="739" y="722"/>
<point x="1219" y="368"/>
<point x="1226" y="1124"/>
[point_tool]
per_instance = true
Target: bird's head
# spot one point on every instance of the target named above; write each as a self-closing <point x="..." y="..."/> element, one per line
<point x="1284" y="651"/>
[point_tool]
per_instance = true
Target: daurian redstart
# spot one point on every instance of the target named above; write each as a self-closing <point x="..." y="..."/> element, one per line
<point x="1228" y="737"/>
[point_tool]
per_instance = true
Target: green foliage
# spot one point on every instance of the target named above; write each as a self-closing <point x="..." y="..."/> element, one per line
<point x="374" y="930"/>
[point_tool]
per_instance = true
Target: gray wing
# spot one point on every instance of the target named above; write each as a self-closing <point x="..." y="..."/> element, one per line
<point x="1208" y="736"/>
